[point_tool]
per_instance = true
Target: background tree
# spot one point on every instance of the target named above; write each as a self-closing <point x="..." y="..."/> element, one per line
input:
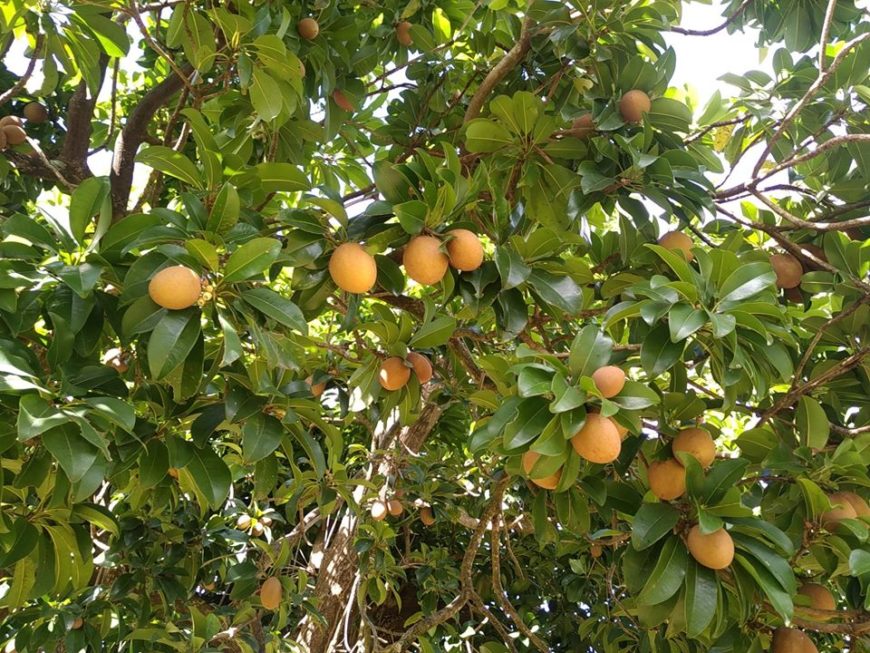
<point x="621" y="406"/>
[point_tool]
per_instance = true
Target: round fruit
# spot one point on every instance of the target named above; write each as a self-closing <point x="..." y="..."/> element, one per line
<point x="308" y="29"/>
<point x="858" y="503"/>
<point x="315" y="388"/>
<point x="15" y="135"/>
<point x="697" y="442"/>
<point x="403" y="33"/>
<point x="77" y="623"/>
<point x="270" y="593"/>
<point x="820" y="596"/>
<point x="243" y="522"/>
<point x="352" y="268"/>
<point x="173" y="472"/>
<point x="175" y="287"/>
<point x="714" y="551"/>
<point x="841" y="508"/>
<point x="667" y="479"/>
<point x="788" y="270"/>
<point x="379" y="510"/>
<point x="10" y="120"/>
<point x="633" y="105"/>
<point x="257" y="529"/>
<point x="609" y="380"/>
<point x="427" y="516"/>
<point x="583" y="127"/>
<point x="395" y="507"/>
<point x="791" y="640"/>
<point x="267" y="521"/>
<point x="422" y="367"/>
<point x="677" y="240"/>
<point x="464" y="250"/>
<point x="598" y="441"/>
<point x="342" y="102"/>
<point x="394" y="374"/>
<point x="35" y="112"/>
<point x="424" y="261"/>
<point x="547" y="482"/>
<point x="596" y="550"/>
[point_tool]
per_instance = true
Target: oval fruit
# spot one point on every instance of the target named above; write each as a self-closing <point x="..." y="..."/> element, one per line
<point x="316" y="388"/>
<point x="352" y="268"/>
<point x="394" y="374"/>
<point x="342" y="101"/>
<point x="35" y="112"/>
<point x="464" y="250"/>
<point x="677" y="240"/>
<point x="422" y="367"/>
<point x="791" y="640"/>
<point x="714" y="551"/>
<point x="609" y="380"/>
<point x="598" y="441"/>
<point x="308" y="29"/>
<point x="395" y="507"/>
<point x="633" y="105"/>
<point x="77" y="623"/>
<point x="424" y="261"/>
<point x="427" y="516"/>
<point x="378" y="510"/>
<point x="403" y="33"/>
<point x="596" y="550"/>
<point x="583" y="126"/>
<point x="175" y="287"/>
<point x="14" y="134"/>
<point x="841" y="508"/>
<point x="547" y="482"/>
<point x="858" y="503"/>
<point x="270" y="593"/>
<point x="820" y="596"/>
<point x="243" y="522"/>
<point x="667" y="479"/>
<point x="697" y="442"/>
<point x="788" y="270"/>
<point x="10" y="120"/>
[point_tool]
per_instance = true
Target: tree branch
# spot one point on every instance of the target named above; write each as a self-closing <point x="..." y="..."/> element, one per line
<point x="826" y="31"/>
<point x="718" y="28"/>
<point x="13" y="90"/>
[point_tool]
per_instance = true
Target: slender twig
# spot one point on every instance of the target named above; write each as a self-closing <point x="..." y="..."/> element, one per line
<point x="718" y="28"/>
<point x="13" y="90"/>
<point x="826" y="31"/>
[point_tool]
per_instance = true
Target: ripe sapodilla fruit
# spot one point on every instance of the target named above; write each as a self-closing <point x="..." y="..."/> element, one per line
<point x="352" y="268"/>
<point x="583" y="126"/>
<point x="858" y="503"/>
<point x="697" y="442"/>
<point x="609" y="380"/>
<point x="394" y="374"/>
<point x="270" y="593"/>
<point x="10" y="120"/>
<point x="464" y="250"/>
<point x="841" y="508"/>
<point x="403" y="33"/>
<point x="820" y="596"/>
<point x="788" y="270"/>
<point x="677" y="240"/>
<point x="14" y="134"/>
<point x="342" y="101"/>
<point x="35" y="113"/>
<point x="792" y="640"/>
<point x="379" y="510"/>
<point x="547" y="482"/>
<point x="714" y="551"/>
<point x="308" y="29"/>
<point x="633" y="105"/>
<point x="427" y="516"/>
<point x="422" y="367"/>
<point x="395" y="507"/>
<point x="598" y="441"/>
<point x="316" y="388"/>
<point x="667" y="479"/>
<point x="424" y="261"/>
<point x="175" y="287"/>
<point x="77" y="623"/>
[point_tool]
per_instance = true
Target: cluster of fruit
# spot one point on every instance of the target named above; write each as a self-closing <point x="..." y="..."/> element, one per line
<point x="12" y="127"/>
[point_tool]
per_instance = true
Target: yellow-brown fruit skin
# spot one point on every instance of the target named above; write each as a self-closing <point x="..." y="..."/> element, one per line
<point x="676" y="240"/>
<point x="547" y="482"/>
<point x="596" y="550"/>
<point x="394" y="374"/>
<point x="862" y="509"/>
<point x="424" y="261"/>
<point x="308" y="29"/>
<point x="427" y="516"/>
<point x="403" y="33"/>
<point x="395" y="507"/>
<point x="422" y="367"/>
<point x="77" y="623"/>
<point x="15" y="135"/>
<point x="342" y="102"/>
<point x="610" y="380"/>
<point x="841" y="508"/>
<point x="464" y="250"/>
<point x="176" y="287"/>
<point x="667" y="479"/>
<point x="791" y="640"/>
<point x="788" y="270"/>
<point x="633" y="105"/>
<point x="583" y="126"/>
<point x="598" y="441"/>
<point x="714" y="551"/>
<point x="697" y="442"/>
<point x="10" y="120"/>
<point x="35" y="113"/>
<point x="378" y="511"/>
<point x="352" y="268"/>
<point x="820" y="596"/>
<point x="270" y="593"/>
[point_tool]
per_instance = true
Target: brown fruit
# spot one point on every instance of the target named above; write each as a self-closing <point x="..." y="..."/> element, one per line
<point x="788" y="270"/>
<point x="173" y="472"/>
<point x="395" y="507"/>
<point x="464" y="250"/>
<point x="209" y="587"/>
<point x="609" y="380"/>
<point x="175" y="287"/>
<point x="422" y="367"/>
<point x="697" y="442"/>
<point x="243" y="522"/>
<point x="427" y="516"/>
<point x="714" y="551"/>
<point x="841" y="508"/>
<point x="791" y="640"/>
<point x="794" y="295"/>
<point x="598" y="441"/>
<point x="352" y="268"/>
<point x="820" y="596"/>
<point x="267" y="521"/>
<point x="596" y="550"/>
<point x="583" y="127"/>
<point x="257" y="529"/>
<point x="403" y="33"/>
<point x="858" y="503"/>
<point x="10" y="120"/>
<point x="342" y="102"/>
<point x="547" y="482"/>
<point x="424" y="261"/>
<point x="15" y="135"/>
<point x="667" y="479"/>
<point x="270" y="593"/>
<point x="633" y="105"/>
<point x="677" y="240"/>
<point x="308" y="29"/>
<point x="316" y="388"/>
<point x="394" y="374"/>
<point x="35" y="112"/>
<point x="77" y="623"/>
<point x="378" y="511"/>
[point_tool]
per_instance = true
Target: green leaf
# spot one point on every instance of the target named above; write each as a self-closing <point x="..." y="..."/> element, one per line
<point x="412" y="215"/>
<point x="115" y="410"/>
<point x="683" y="321"/>
<point x="812" y="423"/>
<point x="261" y="435"/>
<point x="171" y="163"/>
<point x="210" y="475"/>
<point x="225" y="210"/>
<point x="86" y="201"/>
<point x="266" y="95"/>
<point x="702" y="597"/>
<point x="279" y="308"/>
<point x="172" y="340"/>
<point x="779" y="599"/>
<point x="153" y="464"/>
<point x="511" y="268"/>
<point x="251" y="259"/>
<point x="36" y="416"/>
<point x="590" y="350"/>
<point x="533" y="414"/>
<point x="658" y="352"/>
<point x="560" y="291"/>
<point x="534" y="380"/>
<point x="668" y="574"/>
<point x="635" y="396"/>
<point x="73" y="453"/>
<point x="651" y="523"/>
<point x="281" y="178"/>
<point x="204" y="252"/>
<point x="721" y="477"/>
<point x="746" y="281"/>
<point x="434" y="334"/>
<point x="484" y="135"/>
<point x="778" y="566"/>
